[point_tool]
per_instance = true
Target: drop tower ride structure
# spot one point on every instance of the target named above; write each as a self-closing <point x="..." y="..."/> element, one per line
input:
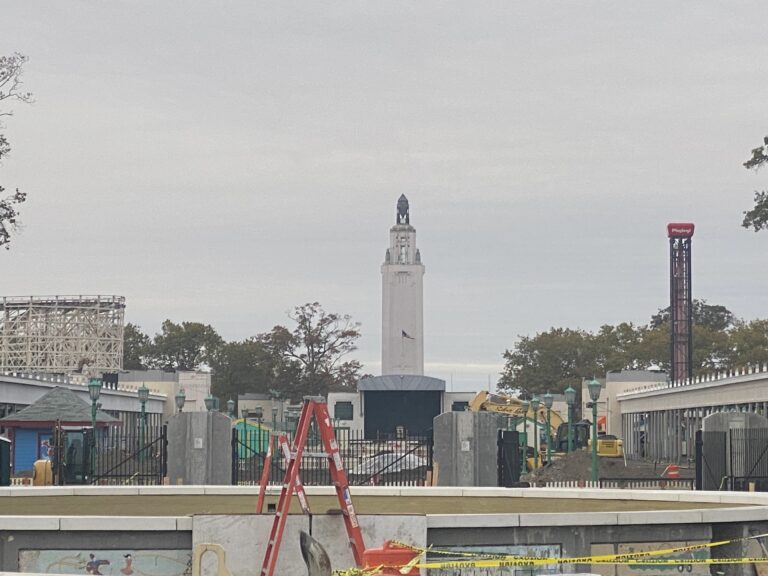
<point x="681" y="302"/>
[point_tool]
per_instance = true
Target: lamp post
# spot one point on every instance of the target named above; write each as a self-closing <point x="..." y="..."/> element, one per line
<point x="524" y="406"/>
<point x="594" y="394"/>
<point x="209" y="401"/>
<point x="94" y="390"/>
<point x="231" y="408"/>
<point x="570" y="398"/>
<point x="143" y="397"/>
<point x="548" y="400"/>
<point x="535" y="410"/>
<point x="180" y="399"/>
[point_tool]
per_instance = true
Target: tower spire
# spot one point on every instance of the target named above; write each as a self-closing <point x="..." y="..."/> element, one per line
<point x="403" y="216"/>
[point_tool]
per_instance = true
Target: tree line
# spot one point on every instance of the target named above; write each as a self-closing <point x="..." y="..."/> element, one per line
<point x="10" y="91"/>
<point x="561" y="357"/>
<point x="309" y="357"/>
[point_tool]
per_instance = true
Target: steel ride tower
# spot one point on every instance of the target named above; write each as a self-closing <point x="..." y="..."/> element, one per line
<point x="681" y="303"/>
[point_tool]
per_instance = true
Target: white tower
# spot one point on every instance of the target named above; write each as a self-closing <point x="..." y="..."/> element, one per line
<point x="402" y="337"/>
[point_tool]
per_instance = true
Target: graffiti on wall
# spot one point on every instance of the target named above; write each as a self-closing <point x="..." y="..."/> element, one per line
<point x="652" y="570"/>
<point x="108" y="562"/>
<point x="537" y="551"/>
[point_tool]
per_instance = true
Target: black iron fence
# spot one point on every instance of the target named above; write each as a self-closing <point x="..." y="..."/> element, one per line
<point x="405" y="461"/>
<point x="137" y="457"/>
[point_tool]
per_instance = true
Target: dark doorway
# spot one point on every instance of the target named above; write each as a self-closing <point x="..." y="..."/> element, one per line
<point x="389" y="413"/>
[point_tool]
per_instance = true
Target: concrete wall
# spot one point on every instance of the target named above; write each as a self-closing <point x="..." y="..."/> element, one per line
<point x="465" y="448"/>
<point x="244" y="538"/>
<point x="568" y="534"/>
<point x="200" y="448"/>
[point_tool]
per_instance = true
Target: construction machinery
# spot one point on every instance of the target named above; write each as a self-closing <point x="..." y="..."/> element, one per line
<point x="607" y="445"/>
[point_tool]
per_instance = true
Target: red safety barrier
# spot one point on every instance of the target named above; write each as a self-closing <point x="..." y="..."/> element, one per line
<point x="673" y="471"/>
<point x="390" y="558"/>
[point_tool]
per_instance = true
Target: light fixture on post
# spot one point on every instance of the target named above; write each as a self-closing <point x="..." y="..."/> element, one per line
<point x="209" y="402"/>
<point x="570" y="398"/>
<point x="548" y="401"/>
<point x="231" y="408"/>
<point x="94" y="391"/>
<point x="524" y="441"/>
<point x="180" y="399"/>
<point x="535" y="410"/>
<point x="143" y="393"/>
<point x="594" y="394"/>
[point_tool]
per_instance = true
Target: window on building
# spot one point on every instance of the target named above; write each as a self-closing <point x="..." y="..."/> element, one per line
<point x="459" y="406"/>
<point x="257" y="412"/>
<point x="343" y="411"/>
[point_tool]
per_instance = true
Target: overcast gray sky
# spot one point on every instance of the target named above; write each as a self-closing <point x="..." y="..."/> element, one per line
<point x="223" y="162"/>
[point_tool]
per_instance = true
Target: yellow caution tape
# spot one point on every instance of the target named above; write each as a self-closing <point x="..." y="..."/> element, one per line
<point x="531" y="563"/>
<point x="491" y="560"/>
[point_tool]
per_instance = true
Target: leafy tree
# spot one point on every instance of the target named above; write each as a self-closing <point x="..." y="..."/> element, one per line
<point x="185" y="346"/>
<point x="757" y="218"/>
<point x="749" y="344"/>
<point x="561" y="357"/>
<point x="137" y="347"/>
<point x="249" y="366"/>
<point x="711" y="316"/>
<point x="10" y="90"/>
<point x="551" y="360"/>
<point x="314" y="352"/>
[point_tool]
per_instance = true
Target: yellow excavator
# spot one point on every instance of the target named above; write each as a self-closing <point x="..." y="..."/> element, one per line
<point x="607" y="445"/>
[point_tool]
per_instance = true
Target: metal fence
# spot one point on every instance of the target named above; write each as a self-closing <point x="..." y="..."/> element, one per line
<point x="404" y="461"/>
<point x="136" y="457"/>
<point x="733" y="460"/>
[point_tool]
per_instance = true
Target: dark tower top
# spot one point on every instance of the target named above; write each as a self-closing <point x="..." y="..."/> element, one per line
<point x="402" y="210"/>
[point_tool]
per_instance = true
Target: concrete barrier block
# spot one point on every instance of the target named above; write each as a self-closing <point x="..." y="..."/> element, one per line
<point x="756" y="498"/>
<point x="122" y="523"/>
<point x="236" y="490"/>
<point x="321" y="490"/>
<point x="661" y="517"/>
<point x="657" y="495"/>
<point x="170" y="490"/>
<point x="375" y="491"/>
<point x="463" y="521"/>
<point x="743" y="514"/>
<point x="106" y="491"/>
<point x="42" y="491"/>
<point x="708" y="497"/>
<point x="329" y="531"/>
<point x="493" y="492"/>
<point x="244" y="539"/>
<point x="570" y="519"/>
<point x="555" y="493"/>
<point x="453" y="492"/>
<point x="29" y="523"/>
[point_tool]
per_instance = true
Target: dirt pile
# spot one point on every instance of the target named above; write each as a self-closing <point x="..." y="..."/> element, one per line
<point x="578" y="466"/>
